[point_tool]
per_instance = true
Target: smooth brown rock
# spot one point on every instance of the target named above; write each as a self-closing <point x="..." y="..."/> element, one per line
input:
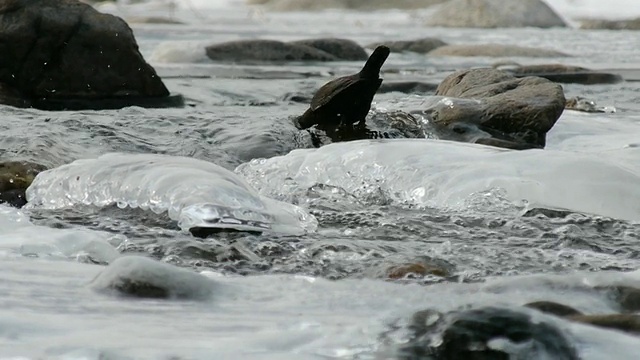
<point x="599" y="24"/>
<point x="314" y="5"/>
<point x="523" y="109"/>
<point x="494" y="50"/>
<point x="566" y="74"/>
<point x="342" y="49"/>
<point x="264" y="51"/>
<point x="495" y="14"/>
<point x="553" y="308"/>
<point x="623" y="322"/>
<point x="65" y="49"/>
<point x="421" y="46"/>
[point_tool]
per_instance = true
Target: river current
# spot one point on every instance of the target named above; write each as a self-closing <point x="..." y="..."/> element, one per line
<point x="465" y="209"/>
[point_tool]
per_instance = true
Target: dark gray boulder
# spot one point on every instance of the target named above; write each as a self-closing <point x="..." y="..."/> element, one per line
<point x="495" y="14"/>
<point x="421" y="46"/>
<point x="469" y="335"/>
<point x="249" y="51"/>
<point x="59" y="50"/>
<point x="519" y="110"/>
<point x="342" y="49"/>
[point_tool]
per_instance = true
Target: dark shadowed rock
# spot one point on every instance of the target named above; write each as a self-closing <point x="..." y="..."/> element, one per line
<point x="626" y="296"/>
<point x="63" y="50"/>
<point x="15" y="178"/>
<point x="579" y="103"/>
<point x="472" y="335"/>
<point x="565" y="74"/>
<point x="494" y="50"/>
<point x="311" y="5"/>
<point x="553" y="308"/>
<point x="265" y="50"/>
<point x="421" y="46"/>
<point x="550" y="213"/>
<point x="513" y="109"/>
<point x="624" y="322"/>
<point x="495" y="14"/>
<point x="598" y="24"/>
<point x="340" y="106"/>
<point x="342" y="49"/>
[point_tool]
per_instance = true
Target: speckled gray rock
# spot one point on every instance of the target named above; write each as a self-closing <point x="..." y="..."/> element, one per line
<point x="495" y="14"/>
<point x="421" y="46"/>
<point x="494" y="50"/>
<point x="525" y="109"/>
<point x="265" y="50"/>
<point x="342" y="49"/>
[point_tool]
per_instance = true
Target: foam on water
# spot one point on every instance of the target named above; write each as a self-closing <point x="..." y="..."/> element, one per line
<point x="193" y="192"/>
<point x="445" y="174"/>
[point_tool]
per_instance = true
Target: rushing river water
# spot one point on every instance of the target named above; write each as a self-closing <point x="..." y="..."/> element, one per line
<point x="323" y="293"/>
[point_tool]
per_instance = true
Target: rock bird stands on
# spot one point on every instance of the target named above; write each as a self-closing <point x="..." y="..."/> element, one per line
<point x="344" y="102"/>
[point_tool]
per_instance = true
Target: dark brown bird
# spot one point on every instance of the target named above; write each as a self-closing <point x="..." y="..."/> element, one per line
<point x="345" y="101"/>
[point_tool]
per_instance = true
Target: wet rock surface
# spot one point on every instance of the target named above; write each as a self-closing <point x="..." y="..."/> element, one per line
<point x="311" y="5"/>
<point x="494" y="50"/>
<point x="516" y="110"/>
<point x="15" y="178"/>
<point x="59" y="51"/>
<point x="601" y="24"/>
<point x="484" y="333"/>
<point x="258" y="50"/>
<point x="566" y="74"/>
<point x="421" y="46"/>
<point x="495" y="14"/>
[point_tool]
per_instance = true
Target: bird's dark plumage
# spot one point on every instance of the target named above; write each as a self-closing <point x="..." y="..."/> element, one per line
<point x="346" y="101"/>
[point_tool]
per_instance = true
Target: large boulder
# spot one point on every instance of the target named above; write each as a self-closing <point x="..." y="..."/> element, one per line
<point x="520" y="110"/>
<point x="343" y="49"/>
<point x="58" y="50"/>
<point x="312" y="5"/>
<point x="494" y="50"/>
<point x="482" y="334"/>
<point x="265" y="50"/>
<point x="421" y="46"/>
<point x="495" y="14"/>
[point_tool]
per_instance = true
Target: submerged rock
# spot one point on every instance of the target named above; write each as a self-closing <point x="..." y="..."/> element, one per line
<point x="626" y="296"/>
<point x="495" y="14"/>
<point x="516" y="110"/>
<point x="565" y="74"/>
<point x="15" y="178"/>
<point x="553" y="308"/>
<point x="494" y="50"/>
<point x="311" y="5"/>
<point x="342" y="49"/>
<point x="578" y="103"/>
<point x="624" y="322"/>
<point x="630" y="24"/>
<point x="142" y="277"/>
<point x="421" y="46"/>
<point x="420" y="268"/>
<point x="265" y="50"/>
<point x="482" y="334"/>
<point x="66" y="51"/>
<point x="340" y="106"/>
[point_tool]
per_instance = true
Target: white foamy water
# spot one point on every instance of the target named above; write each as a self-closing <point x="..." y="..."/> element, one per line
<point x="193" y="192"/>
